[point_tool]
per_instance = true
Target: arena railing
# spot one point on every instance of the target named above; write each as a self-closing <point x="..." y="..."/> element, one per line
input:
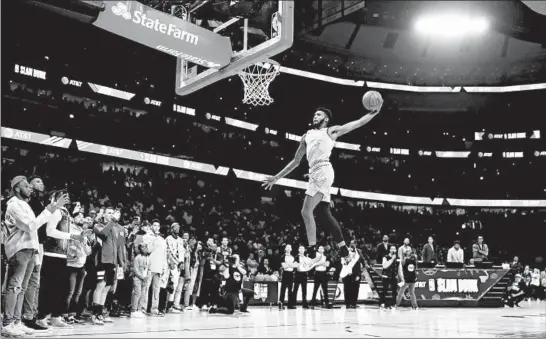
<point x="370" y="149"/>
<point x="121" y="153"/>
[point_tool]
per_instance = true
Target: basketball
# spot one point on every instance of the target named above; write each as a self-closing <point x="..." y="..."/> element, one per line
<point x="372" y="100"/>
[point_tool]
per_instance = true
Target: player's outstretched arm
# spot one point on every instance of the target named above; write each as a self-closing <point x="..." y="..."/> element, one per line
<point x="337" y="131"/>
<point x="292" y="165"/>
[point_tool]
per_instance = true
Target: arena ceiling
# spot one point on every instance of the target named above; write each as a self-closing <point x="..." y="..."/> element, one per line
<point x="379" y="40"/>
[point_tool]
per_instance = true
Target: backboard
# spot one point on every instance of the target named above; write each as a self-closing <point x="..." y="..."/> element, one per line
<point x="257" y="30"/>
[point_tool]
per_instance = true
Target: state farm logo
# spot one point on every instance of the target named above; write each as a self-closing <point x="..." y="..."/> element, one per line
<point x="140" y="18"/>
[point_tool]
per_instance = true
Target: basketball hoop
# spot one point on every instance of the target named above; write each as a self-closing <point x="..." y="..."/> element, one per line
<point x="256" y="79"/>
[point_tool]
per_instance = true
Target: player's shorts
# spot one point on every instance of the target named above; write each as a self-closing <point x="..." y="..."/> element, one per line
<point x="106" y="273"/>
<point x="321" y="178"/>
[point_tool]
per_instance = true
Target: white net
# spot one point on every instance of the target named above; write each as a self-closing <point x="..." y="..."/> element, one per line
<point x="256" y="79"/>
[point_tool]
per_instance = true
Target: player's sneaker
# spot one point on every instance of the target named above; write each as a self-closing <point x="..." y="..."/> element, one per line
<point x="12" y="330"/>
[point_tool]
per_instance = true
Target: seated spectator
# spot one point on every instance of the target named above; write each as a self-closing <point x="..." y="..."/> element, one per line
<point x="252" y="265"/>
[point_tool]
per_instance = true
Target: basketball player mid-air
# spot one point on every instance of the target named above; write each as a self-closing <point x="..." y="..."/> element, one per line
<point x="317" y="144"/>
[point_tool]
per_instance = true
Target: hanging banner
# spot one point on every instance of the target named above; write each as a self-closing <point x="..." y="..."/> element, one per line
<point x="166" y="33"/>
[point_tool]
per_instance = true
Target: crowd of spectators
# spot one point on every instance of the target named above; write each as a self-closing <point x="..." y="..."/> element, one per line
<point x="198" y="138"/>
<point x="220" y="224"/>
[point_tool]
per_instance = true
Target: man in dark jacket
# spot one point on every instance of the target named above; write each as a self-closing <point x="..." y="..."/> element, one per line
<point x="429" y="251"/>
<point x="383" y="249"/>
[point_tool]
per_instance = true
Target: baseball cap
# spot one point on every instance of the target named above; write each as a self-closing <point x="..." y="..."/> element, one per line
<point x="17" y="180"/>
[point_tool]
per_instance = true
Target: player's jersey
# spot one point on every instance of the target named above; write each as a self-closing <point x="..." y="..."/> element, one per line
<point x="319" y="146"/>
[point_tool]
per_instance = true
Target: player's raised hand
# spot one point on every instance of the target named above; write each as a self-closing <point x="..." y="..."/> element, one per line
<point x="269" y="182"/>
<point x="378" y="109"/>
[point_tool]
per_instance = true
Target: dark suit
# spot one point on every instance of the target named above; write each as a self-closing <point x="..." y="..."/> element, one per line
<point x="429" y="253"/>
<point x="382" y="251"/>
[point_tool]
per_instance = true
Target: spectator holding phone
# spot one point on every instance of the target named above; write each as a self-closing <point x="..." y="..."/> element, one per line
<point x="21" y="247"/>
<point x="54" y="266"/>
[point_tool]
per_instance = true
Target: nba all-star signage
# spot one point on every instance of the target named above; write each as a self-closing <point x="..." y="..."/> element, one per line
<point x="30" y="72"/>
<point x="166" y="33"/>
<point x="437" y="285"/>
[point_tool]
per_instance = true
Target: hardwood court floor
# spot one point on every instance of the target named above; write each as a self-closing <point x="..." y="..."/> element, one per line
<point x="364" y="322"/>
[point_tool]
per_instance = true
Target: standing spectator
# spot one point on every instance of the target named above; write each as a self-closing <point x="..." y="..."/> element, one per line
<point x="187" y="268"/>
<point x="535" y="285"/>
<point x="140" y="276"/>
<point x="321" y="279"/>
<point x="429" y="251"/>
<point x="54" y="266"/>
<point x="527" y="281"/>
<point x="175" y="255"/>
<point x="30" y="303"/>
<point x="405" y="247"/>
<point x="287" y="281"/>
<point x="158" y="261"/>
<point x="455" y="253"/>
<point x="21" y="247"/>
<point x="300" y="279"/>
<point x="351" y="282"/>
<point x="110" y="255"/>
<point x="224" y="251"/>
<point x="209" y="284"/>
<point x="195" y="263"/>
<point x="383" y="248"/>
<point x="76" y="258"/>
<point x="543" y="284"/>
<point x="480" y="251"/>
<point x="388" y="277"/>
<point x="408" y="277"/>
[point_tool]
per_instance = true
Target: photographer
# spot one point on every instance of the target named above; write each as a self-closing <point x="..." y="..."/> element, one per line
<point x="232" y="285"/>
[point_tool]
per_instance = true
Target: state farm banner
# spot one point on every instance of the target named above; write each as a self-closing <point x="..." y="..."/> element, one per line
<point x="166" y="33"/>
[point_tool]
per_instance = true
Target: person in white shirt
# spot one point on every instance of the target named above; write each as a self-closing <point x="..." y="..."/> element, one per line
<point x="175" y="256"/>
<point x="404" y="248"/>
<point x="21" y="247"/>
<point x="455" y="253"/>
<point x="157" y="248"/>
